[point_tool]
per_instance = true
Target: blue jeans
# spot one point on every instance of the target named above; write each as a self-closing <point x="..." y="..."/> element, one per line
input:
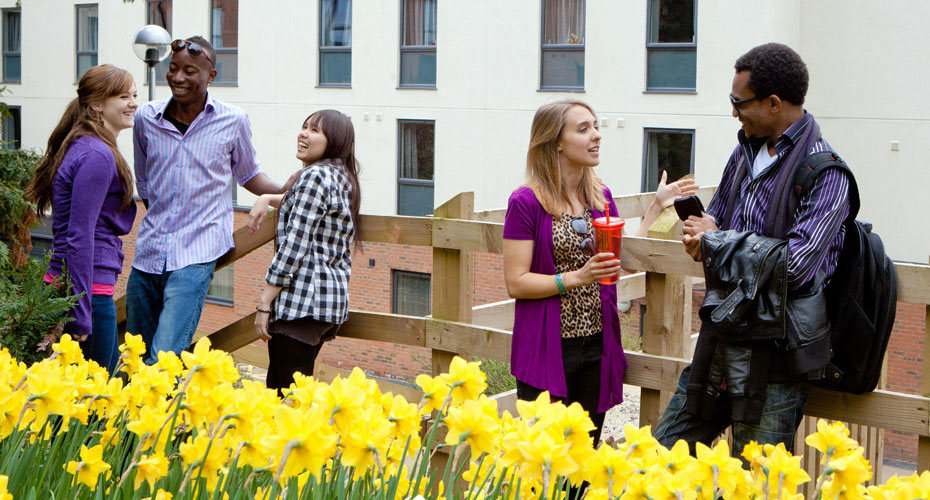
<point x="102" y="344"/>
<point x="781" y="415"/>
<point x="165" y="308"/>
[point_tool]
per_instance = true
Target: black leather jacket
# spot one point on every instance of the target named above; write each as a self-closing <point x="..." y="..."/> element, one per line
<point x="747" y="298"/>
<point x="747" y="315"/>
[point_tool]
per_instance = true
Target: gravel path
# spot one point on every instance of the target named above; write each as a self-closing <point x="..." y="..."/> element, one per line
<point x="623" y="413"/>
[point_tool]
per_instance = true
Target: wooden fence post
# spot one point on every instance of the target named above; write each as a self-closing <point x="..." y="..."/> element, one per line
<point x="453" y="277"/>
<point x="667" y="323"/>
<point x="923" y="442"/>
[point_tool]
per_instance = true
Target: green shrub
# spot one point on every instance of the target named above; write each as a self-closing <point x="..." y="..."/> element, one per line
<point x="29" y="310"/>
<point x="499" y="377"/>
<point x="16" y="168"/>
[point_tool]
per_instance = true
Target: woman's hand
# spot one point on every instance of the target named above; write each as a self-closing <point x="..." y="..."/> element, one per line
<point x="260" y="210"/>
<point x="261" y="325"/>
<point x="600" y="266"/>
<point x="666" y="194"/>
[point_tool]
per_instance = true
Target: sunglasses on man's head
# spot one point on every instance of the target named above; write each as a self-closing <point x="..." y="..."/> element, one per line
<point x="193" y="48"/>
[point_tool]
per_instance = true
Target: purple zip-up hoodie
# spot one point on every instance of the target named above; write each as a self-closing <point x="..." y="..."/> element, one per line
<point x="87" y="223"/>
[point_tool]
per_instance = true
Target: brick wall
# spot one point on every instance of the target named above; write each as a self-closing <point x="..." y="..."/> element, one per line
<point x="371" y="290"/>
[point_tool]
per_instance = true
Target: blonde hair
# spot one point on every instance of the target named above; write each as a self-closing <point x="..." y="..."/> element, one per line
<point x="543" y="174"/>
<point x="97" y="85"/>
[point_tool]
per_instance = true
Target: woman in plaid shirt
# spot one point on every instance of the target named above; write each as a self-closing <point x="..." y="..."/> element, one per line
<point x="306" y="297"/>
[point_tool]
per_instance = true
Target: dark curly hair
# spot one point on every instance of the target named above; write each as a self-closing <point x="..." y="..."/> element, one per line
<point x="775" y="69"/>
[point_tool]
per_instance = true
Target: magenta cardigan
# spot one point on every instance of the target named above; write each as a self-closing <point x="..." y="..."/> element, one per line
<point x="536" y="352"/>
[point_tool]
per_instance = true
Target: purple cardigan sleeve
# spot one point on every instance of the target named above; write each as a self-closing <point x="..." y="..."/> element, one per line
<point x="92" y="179"/>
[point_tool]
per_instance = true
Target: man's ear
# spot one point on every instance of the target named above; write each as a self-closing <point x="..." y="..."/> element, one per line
<point x="774" y="102"/>
<point x="212" y="76"/>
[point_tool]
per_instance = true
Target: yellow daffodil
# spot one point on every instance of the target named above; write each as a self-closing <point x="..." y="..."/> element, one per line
<point x="435" y="391"/>
<point x="150" y="469"/>
<point x="49" y="394"/>
<point x="161" y="495"/>
<point x="90" y="467"/>
<point x="341" y="401"/>
<point x="470" y="424"/>
<point x="210" y="368"/>
<point x="365" y="443"/>
<point x="68" y="350"/>
<point x="466" y="380"/>
<point x="716" y="465"/>
<point x="544" y="454"/>
<point x="608" y="468"/>
<point x="785" y="471"/>
<point x="832" y="440"/>
<point x="4" y="494"/>
<point x="306" y="435"/>
<point x="206" y="457"/>
<point x="846" y="474"/>
<point x="639" y="441"/>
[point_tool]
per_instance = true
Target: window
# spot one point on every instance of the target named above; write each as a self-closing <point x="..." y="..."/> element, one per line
<point x="224" y="35"/>
<point x="221" y="288"/>
<point x="335" y="43"/>
<point x="411" y="293"/>
<point x="418" y="44"/>
<point x="415" y="179"/>
<point x="671" y="46"/>
<point x="86" y="38"/>
<point x="41" y="238"/>
<point x="12" y="129"/>
<point x="562" y="45"/>
<point x="12" y="38"/>
<point x="670" y="150"/>
<point x="159" y="13"/>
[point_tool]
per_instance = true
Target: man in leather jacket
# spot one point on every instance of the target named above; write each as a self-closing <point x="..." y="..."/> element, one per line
<point x="764" y="324"/>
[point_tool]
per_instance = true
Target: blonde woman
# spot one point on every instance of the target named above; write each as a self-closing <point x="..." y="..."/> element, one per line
<point x="566" y="333"/>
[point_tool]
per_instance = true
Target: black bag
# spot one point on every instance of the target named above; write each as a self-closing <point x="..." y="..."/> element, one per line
<point x="862" y="293"/>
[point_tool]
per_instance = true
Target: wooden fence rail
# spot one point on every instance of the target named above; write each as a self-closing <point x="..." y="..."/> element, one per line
<point x="456" y="231"/>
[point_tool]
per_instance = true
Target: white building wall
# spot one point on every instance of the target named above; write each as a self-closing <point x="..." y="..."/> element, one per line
<point x="867" y="61"/>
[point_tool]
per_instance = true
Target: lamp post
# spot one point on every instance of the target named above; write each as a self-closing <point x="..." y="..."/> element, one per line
<point x="151" y="44"/>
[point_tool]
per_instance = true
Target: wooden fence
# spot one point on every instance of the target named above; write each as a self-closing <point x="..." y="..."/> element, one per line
<point x="663" y="274"/>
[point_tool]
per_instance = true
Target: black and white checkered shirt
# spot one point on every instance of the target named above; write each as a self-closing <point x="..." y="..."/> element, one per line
<point x="314" y="237"/>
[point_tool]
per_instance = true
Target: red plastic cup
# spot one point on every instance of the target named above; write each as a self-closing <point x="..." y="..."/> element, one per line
<point x="608" y="237"/>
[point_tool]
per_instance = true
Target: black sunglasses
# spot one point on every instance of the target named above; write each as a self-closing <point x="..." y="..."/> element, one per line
<point x="580" y="226"/>
<point x="193" y="48"/>
<point x="737" y="104"/>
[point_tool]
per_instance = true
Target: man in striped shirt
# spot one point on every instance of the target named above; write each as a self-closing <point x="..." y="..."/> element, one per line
<point x="776" y="135"/>
<point x="188" y="148"/>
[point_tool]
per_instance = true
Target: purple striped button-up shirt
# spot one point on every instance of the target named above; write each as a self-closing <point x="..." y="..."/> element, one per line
<point x="816" y="237"/>
<point x="186" y="180"/>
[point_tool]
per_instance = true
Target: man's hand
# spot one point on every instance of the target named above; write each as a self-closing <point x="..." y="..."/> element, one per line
<point x="693" y="245"/>
<point x="697" y="225"/>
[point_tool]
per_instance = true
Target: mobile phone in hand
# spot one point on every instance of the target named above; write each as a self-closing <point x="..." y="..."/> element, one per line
<point x="688" y="206"/>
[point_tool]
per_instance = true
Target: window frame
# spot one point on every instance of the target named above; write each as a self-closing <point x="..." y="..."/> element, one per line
<point x="657" y="46"/>
<point x="415" y="48"/>
<point x="16" y="112"/>
<point x="402" y="272"/>
<point x="653" y="130"/>
<point x="559" y="47"/>
<point x="321" y="49"/>
<point x="77" y="38"/>
<point x="159" y="79"/>
<point x="224" y="50"/>
<point x="406" y="181"/>
<point x="6" y="53"/>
